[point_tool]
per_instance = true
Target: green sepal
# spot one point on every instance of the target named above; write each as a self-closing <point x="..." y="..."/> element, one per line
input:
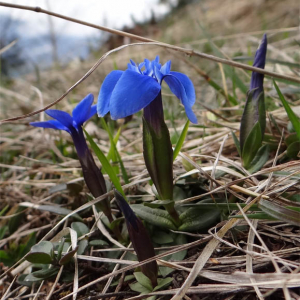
<point x="260" y="159"/>
<point x="158" y="155"/>
<point x="252" y="144"/>
<point x="254" y="112"/>
<point x="154" y="216"/>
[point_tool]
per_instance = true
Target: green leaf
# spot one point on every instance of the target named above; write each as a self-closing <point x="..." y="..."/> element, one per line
<point x="260" y="159"/>
<point x="98" y="243"/>
<point x="275" y="123"/>
<point x="223" y="206"/>
<point x="42" y="253"/>
<point x="292" y="116"/>
<point x="251" y="146"/>
<point x="157" y="217"/>
<point x="163" y="282"/>
<point x="291" y="138"/>
<point x="280" y="212"/>
<point x="60" y="248"/>
<point x="293" y="150"/>
<point x="236" y="142"/>
<point x="113" y="148"/>
<point x="143" y="280"/>
<point x="45" y="273"/>
<point x="178" y="256"/>
<point x="137" y="287"/>
<point x="158" y="203"/>
<point x="195" y="219"/>
<point x="256" y="216"/>
<point x="181" y="139"/>
<point x="80" y="228"/>
<point x="3" y="231"/>
<point x="31" y="278"/>
<point x="105" y="164"/>
<point x="51" y="208"/>
<point x="161" y="237"/>
<point x="82" y="245"/>
<point x="15" y="221"/>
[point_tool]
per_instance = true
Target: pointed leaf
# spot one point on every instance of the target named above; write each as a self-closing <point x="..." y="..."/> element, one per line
<point x="260" y="159"/>
<point x="181" y="139"/>
<point x="158" y="217"/>
<point x="113" y="148"/>
<point x="80" y="228"/>
<point x="280" y="212"/>
<point x="143" y="280"/>
<point x="251" y="146"/>
<point x="197" y="219"/>
<point x="137" y="287"/>
<point x="45" y="273"/>
<point x="292" y="116"/>
<point x="163" y="282"/>
<point x="105" y="164"/>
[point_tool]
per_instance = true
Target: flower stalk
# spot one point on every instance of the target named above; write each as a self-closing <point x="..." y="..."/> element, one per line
<point x="73" y="125"/>
<point x="158" y="153"/>
<point x="140" y="239"/>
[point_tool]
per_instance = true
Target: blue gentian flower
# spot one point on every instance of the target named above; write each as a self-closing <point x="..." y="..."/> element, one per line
<point x="124" y="93"/>
<point x="257" y="79"/>
<point x="254" y="111"/>
<point x="73" y="125"/>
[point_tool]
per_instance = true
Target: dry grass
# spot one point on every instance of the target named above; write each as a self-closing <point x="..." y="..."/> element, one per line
<point x="238" y="258"/>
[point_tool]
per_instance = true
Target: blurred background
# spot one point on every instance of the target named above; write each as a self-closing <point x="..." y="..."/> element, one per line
<point x="49" y="54"/>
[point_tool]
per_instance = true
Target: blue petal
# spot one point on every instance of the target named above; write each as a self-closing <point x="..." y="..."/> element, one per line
<point x="82" y="110"/>
<point x="165" y="69"/>
<point x="190" y="114"/>
<point x="54" y="124"/>
<point x="188" y="86"/>
<point x="104" y="98"/>
<point x="61" y="116"/>
<point x="158" y="74"/>
<point x="92" y="112"/>
<point x="132" y="93"/>
<point x="260" y="55"/>
<point x="257" y="79"/>
<point x="182" y="87"/>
